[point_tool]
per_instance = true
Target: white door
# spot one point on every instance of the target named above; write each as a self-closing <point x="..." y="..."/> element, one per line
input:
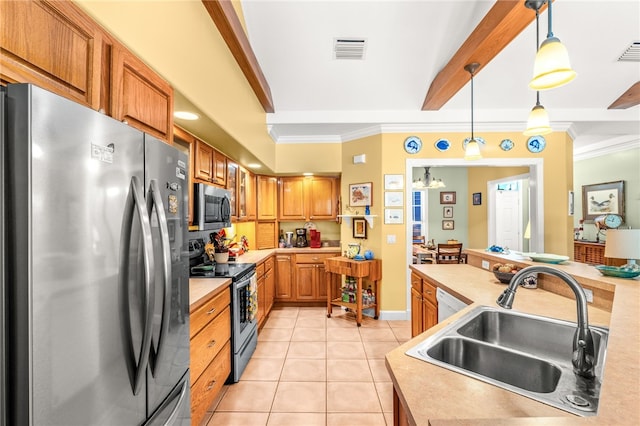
<point x="509" y="219"/>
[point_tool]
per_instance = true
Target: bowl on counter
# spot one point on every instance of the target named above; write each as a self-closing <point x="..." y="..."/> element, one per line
<point x="612" y="271"/>
<point x="504" y="277"/>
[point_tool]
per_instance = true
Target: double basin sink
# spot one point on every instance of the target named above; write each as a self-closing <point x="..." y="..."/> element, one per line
<point x="526" y="354"/>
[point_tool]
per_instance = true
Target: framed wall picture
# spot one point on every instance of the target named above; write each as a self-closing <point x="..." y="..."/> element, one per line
<point x="602" y="198"/>
<point x="477" y="198"/>
<point x="447" y="197"/>
<point x="393" y="216"/>
<point x="359" y="227"/>
<point x="448" y="225"/>
<point x="392" y="182"/>
<point x="360" y="194"/>
<point x="393" y="199"/>
<point x="447" y="212"/>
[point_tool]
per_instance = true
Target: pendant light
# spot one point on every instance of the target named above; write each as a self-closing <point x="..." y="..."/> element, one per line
<point x="472" y="150"/>
<point x="551" y="68"/>
<point x="538" y="122"/>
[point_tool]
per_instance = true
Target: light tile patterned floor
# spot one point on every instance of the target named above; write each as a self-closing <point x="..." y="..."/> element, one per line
<point x="312" y="370"/>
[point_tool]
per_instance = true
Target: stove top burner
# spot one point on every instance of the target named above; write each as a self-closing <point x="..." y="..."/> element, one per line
<point x="231" y="270"/>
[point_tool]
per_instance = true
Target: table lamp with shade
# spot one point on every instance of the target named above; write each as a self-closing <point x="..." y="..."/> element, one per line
<point x="624" y="244"/>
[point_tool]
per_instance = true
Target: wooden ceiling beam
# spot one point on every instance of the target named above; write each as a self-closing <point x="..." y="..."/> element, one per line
<point x="505" y="20"/>
<point x="628" y="99"/>
<point x="226" y="19"/>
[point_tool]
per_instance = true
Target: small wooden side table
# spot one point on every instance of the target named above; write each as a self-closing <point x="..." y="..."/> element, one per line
<point x="359" y="269"/>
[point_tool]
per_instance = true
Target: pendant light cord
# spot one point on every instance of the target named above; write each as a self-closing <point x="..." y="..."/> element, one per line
<point x="472" y="138"/>
<point x="538" y="46"/>
<point x="549" y="30"/>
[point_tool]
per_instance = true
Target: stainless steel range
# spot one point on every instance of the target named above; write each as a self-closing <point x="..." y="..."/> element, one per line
<point x="244" y="305"/>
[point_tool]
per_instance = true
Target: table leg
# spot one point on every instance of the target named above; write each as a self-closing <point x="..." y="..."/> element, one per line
<point x="377" y="284"/>
<point x="359" y="303"/>
<point x="329" y="295"/>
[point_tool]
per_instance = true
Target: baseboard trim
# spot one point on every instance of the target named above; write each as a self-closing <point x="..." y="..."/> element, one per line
<point x="395" y="315"/>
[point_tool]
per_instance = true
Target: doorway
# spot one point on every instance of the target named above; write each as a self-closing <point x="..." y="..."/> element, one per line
<point x="510" y="198"/>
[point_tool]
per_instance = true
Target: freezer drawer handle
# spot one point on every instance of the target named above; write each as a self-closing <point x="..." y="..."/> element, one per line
<point x="135" y="202"/>
<point x="154" y="198"/>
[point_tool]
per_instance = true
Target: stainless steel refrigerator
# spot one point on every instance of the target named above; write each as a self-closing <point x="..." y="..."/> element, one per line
<point x="96" y="268"/>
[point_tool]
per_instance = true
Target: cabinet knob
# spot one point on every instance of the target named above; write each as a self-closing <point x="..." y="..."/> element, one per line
<point x="210" y="311"/>
<point x="210" y="385"/>
<point x="211" y="344"/>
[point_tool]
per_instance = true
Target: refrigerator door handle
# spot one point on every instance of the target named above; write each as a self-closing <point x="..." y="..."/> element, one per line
<point x="154" y="197"/>
<point x="158" y="417"/>
<point x="135" y="202"/>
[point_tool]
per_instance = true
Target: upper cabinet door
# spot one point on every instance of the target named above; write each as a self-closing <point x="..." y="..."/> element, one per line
<point x="203" y="162"/>
<point x="267" y="198"/>
<point x="139" y="96"/>
<point x="53" y="45"/>
<point x="322" y="198"/>
<point x="292" y="200"/>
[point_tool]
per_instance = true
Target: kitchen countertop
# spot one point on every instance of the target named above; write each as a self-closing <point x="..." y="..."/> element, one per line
<point x="439" y="397"/>
<point x="202" y="289"/>
<point x="257" y="256"/>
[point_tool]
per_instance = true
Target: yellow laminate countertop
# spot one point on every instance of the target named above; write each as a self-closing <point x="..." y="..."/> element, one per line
<point x="438" y="397"/>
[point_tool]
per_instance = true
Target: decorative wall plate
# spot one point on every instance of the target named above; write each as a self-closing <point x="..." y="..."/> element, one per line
<point x="506" y="144"/>
<point x="412" y="144"/>
<point x="442" y="145"/>
<point x="536" y="144"/>
<point x="477" y="138"/>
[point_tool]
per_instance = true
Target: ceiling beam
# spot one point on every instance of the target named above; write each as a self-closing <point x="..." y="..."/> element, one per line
<point x="505" y="20"/>
<point x="224" y="16"/>
<point x="628" y="99"/>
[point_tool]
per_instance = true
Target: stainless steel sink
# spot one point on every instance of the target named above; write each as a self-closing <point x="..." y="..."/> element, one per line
<point x="526" y="354"/>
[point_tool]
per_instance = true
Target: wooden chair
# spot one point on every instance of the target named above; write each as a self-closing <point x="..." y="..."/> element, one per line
<point x="449" y="253"/>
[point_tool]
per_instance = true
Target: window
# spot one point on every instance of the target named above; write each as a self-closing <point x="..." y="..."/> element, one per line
<point x="419" y="213"/>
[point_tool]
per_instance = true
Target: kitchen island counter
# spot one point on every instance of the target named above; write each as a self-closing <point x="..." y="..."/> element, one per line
<point x="437" y="396"/>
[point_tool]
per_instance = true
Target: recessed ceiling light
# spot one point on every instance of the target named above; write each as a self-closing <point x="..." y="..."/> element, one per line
<point x="254" y="165"/>
<point x="307" y="174"/>
<point x="186" y="115"/>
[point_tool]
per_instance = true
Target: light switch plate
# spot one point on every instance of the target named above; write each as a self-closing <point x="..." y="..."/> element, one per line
<point x="485" y="264"/>
<point x="391" y="239"/>
<point x="589" y="294"/>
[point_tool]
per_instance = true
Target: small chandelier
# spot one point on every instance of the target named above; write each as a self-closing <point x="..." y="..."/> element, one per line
<point x="472" y="150"/>
<point x="538" y="122"/>
<point x="551" y="68"/>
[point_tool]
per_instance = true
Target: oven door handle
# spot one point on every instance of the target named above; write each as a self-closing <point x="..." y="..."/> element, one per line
<point x="135" y="202"/>
<point x="154" y="199"/>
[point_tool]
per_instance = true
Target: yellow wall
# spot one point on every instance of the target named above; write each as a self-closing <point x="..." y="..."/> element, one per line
<point x="309" y="157"/>
<point x="159" y="32"/>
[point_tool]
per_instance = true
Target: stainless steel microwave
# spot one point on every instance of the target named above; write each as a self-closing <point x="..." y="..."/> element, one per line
<point x="211" y="207"/>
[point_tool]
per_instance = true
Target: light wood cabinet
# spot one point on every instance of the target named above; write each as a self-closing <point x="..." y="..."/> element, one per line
<point x="267" y="188"/>
<point x="266" y="235"/>
<point x="424" y="305"/>
<point x="139" y="96"/>
<point x="210" y="351"/>
<point x="54" y="45"/>
<point x="270" y="284"/>
<point x="308" y="198"/>
<point x="310" y="283"/>
<point x="246" y="195"/>
<point x="232" y="186"/>
<point x="266" y="289"/>
<point x="284" y="278"/>
<point x="593" y="253"/>
<point x="210" y="166"/>
<point x="58" y="47"/>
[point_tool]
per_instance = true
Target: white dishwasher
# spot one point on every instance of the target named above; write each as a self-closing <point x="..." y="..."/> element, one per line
<point x="447" y="304"/>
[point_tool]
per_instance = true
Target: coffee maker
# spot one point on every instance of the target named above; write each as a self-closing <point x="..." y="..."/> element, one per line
<point x="301" y="237"/>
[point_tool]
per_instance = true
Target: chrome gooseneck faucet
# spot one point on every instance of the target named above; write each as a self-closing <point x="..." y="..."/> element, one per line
<point x="583" y="359"/>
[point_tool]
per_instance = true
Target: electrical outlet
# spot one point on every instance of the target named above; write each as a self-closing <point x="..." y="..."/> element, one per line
<point x="485" y="264"/>
<point x="589" y="294"/>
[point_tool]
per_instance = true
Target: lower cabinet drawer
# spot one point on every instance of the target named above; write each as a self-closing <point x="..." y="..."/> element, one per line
<point x="207" y="312"/>
<point x="205" y="345"/>
<point x="206" y="388"/>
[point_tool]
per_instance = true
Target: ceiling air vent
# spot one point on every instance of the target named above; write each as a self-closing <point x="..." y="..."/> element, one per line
<point x="349" y="48"/>
<point x="631" y="53"/>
